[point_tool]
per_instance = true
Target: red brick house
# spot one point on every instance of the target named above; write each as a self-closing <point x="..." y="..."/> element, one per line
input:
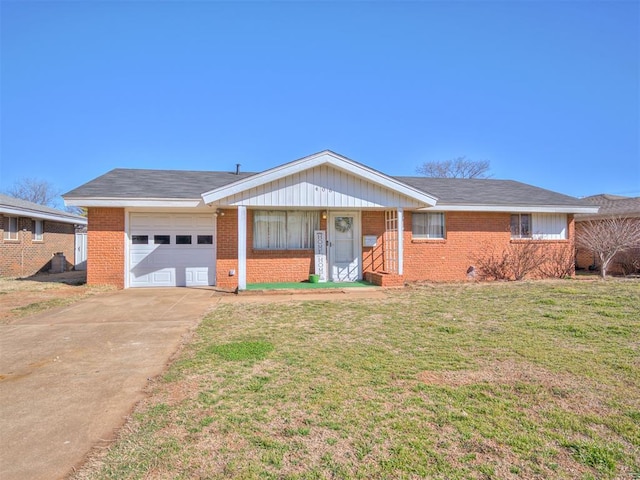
<point x="30" y="235"/>
<point x="322" y="214"/>
<point x="610" y="206"/>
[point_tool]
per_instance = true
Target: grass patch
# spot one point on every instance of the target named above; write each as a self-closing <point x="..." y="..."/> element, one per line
<point x="238" y="351"/>
<point x="602" y="458"/>
<point x="514" y="380"/>
<point x="36" y="307"/>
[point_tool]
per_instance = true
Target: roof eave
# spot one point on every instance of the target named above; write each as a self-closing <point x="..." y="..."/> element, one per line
<point x="513" y="208"/>
<point x="602" y="216"/>
<point x="24" y="212"/>
<point x="132" y="202"/>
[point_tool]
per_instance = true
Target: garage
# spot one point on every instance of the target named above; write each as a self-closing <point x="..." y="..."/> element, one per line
<point x="171" y="250"/>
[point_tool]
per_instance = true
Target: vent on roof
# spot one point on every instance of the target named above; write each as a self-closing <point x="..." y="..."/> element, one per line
<point x="237" y="169"/>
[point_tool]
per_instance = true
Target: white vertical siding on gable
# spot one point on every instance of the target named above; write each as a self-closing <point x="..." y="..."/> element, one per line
<point x="549" y="226"/>
<point x="322" y="186"/>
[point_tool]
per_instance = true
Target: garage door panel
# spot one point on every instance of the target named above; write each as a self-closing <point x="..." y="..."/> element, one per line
<point x="201" y="275"/>
<point x="204" y="222"/>
<point x="163" y="277"/>
<point x="171" y="264"/>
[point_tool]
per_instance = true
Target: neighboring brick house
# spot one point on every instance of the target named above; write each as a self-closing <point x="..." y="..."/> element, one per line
<point x="322" y="214"/>
<point x="30" y="235"/>
<point x="610" y="206"/>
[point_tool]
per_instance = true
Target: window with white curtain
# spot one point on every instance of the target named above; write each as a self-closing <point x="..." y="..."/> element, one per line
<point x="428" y="225"/>
<point x="284" y="230"/>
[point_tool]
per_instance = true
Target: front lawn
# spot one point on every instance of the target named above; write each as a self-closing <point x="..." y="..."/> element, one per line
<point x="502" y="380"/>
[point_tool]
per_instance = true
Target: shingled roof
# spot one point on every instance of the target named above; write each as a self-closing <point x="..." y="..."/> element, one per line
<point x="180" y="184"/>
<point x="477" y="191"/>
<point x="612" y="206"/>
<point x="16" y="206"/>
<point x="139" y="183"/>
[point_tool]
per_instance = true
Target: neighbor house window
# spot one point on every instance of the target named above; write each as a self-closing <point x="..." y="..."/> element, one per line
<point x="11" y="228"/>
<point x="38" y="230"/>
<point x="521" y="225"/>
<point x="280" y="230"/>
<point x="428" y="225"/>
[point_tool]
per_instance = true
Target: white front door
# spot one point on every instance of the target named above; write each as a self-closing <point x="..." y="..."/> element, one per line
<point x="344" y="246"/>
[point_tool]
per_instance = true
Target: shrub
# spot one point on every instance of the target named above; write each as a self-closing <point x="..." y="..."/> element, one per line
<point x="523" y="259"/>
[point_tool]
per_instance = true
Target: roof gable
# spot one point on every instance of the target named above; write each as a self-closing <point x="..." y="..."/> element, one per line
<point x="321" y="180"/>
<point x="328" y="179"/>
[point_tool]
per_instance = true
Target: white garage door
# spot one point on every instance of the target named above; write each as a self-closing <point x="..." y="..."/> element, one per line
<point x="171" y="250"/>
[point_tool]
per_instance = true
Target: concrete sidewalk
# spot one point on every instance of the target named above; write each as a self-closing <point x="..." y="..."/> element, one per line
<point x="69" y="377"/>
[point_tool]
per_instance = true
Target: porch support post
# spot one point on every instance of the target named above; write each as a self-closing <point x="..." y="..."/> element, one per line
<point x="242" y="248"/>
<point x="400" y="240"/>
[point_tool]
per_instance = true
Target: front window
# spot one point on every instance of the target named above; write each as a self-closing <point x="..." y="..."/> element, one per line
<point x="38" y="230"/>
<point x="283" y="230"/>
<point x="428" y="225"/>
<point x="11" y="228"/>
<point x="521" y="225"/>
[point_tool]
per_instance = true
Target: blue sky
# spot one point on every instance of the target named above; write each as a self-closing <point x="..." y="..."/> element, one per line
<point x="548" y="92"/>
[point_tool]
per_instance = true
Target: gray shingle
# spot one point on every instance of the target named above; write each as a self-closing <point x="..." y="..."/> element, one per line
<point x="179" y="184"/>
<point x="480" y="191"/>
<point x="612" y="205"/>
<point x="30" y="207"/>
<point x="136" y="183"/>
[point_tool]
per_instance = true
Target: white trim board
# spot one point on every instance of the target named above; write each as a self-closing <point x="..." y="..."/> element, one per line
<point x="17" y="212"/>
<point x="509" y="209"/>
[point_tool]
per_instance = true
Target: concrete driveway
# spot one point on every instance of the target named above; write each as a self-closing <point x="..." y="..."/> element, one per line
<point x="69" y="377"/>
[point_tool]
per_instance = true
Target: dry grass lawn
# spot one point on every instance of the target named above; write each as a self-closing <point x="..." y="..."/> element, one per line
<point x="21" y="297"/>
<point x="503" y="380"/>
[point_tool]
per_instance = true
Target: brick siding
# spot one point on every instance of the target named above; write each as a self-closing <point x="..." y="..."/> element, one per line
<point x="262" y="265"/>
<point x="25" y="256"/>
<point x="373" y="257"/>
<point x="105" y="247"/>
<point x="467" y="234"/>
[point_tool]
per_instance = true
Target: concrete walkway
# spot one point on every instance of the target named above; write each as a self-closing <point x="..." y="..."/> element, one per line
<point x="69" y="377"/>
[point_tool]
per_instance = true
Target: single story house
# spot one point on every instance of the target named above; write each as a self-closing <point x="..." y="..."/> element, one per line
<point x="32" y="234"/>
<point x="623" y="263"/>
<point x="323" y="214"/>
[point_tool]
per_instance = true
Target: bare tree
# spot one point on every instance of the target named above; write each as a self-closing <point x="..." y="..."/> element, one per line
<point x="35" y="190"/>
<point x="459" y="167"/>
<point x="608" y="236"/>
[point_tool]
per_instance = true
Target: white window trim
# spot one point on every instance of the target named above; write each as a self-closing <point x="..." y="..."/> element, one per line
<point x="9" y="234"/>
<point x="426" y="236"/>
